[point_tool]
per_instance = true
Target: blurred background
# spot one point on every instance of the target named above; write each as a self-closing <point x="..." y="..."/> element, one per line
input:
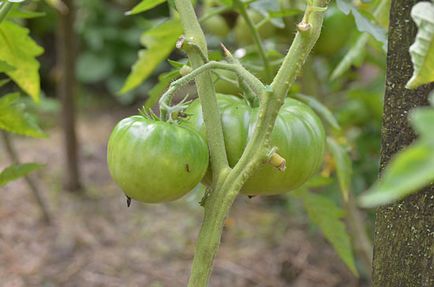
<point x="67" y="223"/>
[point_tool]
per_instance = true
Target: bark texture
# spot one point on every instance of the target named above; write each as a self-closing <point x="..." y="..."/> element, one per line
<point x="66" y="49"/>
<point x="404" y="232"/>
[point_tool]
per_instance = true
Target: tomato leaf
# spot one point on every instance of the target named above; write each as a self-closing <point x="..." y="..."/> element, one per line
<point x="5" y="67"/>
<point x="343" y="166"/>
<point x="409" y="171"/>
<point x="365" y="22"/>
<point x="422" y="120"/>
<point x="265" y="7"/>
<point x="13" y="119"/>
<point x="320" y="109"/>
<point x="16" y="171"/>
<point x="4" y="82"/>
<point x="144" y="5"/>
<point x="328" y="216"/>
<point x="160" y="41"/>
<point x="422" y="50"/>
<point x="19" y="51"/>
<point x="354" y="57"/>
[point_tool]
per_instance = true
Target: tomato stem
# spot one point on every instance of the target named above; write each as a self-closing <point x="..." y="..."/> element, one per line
<point x="228" y="182"/>
<point x="241" y="6"/>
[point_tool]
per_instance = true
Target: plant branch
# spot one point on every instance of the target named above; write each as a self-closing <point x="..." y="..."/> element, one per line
<point x="193" y="33"/>
<point x="226" y="188"/>
<point x="242" y="73"/>
<point x="256" y="37"/>
<point x="4" y="9"/>
<point x="33" y="187"/>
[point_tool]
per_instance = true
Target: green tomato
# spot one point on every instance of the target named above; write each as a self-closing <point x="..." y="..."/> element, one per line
<point x="298" y="134"/>
<point x="336" y="31"/>
<point x="154" y="161"/>
<point x="242" y="31"/>
<point x="216" y="26"/>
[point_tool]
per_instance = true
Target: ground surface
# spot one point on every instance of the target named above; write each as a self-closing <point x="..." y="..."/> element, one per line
<point x="97" y="241"/>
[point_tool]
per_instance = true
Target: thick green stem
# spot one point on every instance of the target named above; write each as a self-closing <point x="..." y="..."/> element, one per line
<point x="4" y="9"/>
<point x="205" y="88"/>
<point x="256" y="37"/>
<point x="230" y="181"/>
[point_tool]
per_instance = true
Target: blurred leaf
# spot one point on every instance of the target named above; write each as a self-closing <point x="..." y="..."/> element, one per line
<point x="5" y="67"/>
<point x="144" y="5"/>
<point x="327" y="215"/>
<point x="19" y="51"/>
<point x="409" y="171"/>
<point x="365" y="22"/>
<point x="265" y="7"/>
<point x="320" y="109"/>
<point x="25" y="14"/>
<point x="354" y="57"/>
<point x="58" y="5"/>
<point x="16" y="171"/>
<point x="422" y="50"/>
<point x="343" y="166"/>
<point x="13" y="119"/>
<point x="4" y="82"/>
<point x="422" y="120"/>
<point x="155" y="93"/>
<point x="160" y="41"/>
<point x="92" y="67"/>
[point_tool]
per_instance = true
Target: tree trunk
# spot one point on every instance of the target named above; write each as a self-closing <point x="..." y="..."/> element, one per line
<point x="404" y="232"/>
<point x="66" y="50"/>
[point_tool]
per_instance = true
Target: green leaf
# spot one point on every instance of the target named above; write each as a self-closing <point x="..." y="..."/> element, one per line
<point x="13" y="119"/>
<point x="93" y="67"/>
<point x="422" y="50"/>
<point x="320" y="109"/>
<point x="409" y="171"/>
<point x="155" y="93"/>
<point x="5" y="67"/>
<point x="327" y="215"/>
<point x="145" y="5"/>
<point x="160" y="41"/>
<point x="19" y="51"/>
<point x="365" y="22"/>
<point x="354" y="57"/>
<point x="422" y="119"/>
<point x="16" y="171"/>
<point x="58" y="5"/>
<point x="4" y="82"/>
<point x="343" y="166"/>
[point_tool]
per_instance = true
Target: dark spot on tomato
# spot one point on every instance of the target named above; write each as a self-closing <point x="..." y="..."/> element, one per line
<point x="187" y="167"/>
<point x="128" y="201"/>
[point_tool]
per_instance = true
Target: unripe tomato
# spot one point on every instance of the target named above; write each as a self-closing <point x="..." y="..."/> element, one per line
<point x="154" y="161"/>
<point x="298" y="134"/>
<point x="242" y="31"/>
<point x="216" y="26"/>
<point x="335" y="32"/>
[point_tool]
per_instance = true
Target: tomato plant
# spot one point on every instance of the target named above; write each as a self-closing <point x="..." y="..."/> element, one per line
<point x="155" y="161"/>
<point x="298" y="135"/>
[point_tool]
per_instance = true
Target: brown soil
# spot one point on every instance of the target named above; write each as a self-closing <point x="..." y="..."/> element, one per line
<point x="97" y="241"/>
